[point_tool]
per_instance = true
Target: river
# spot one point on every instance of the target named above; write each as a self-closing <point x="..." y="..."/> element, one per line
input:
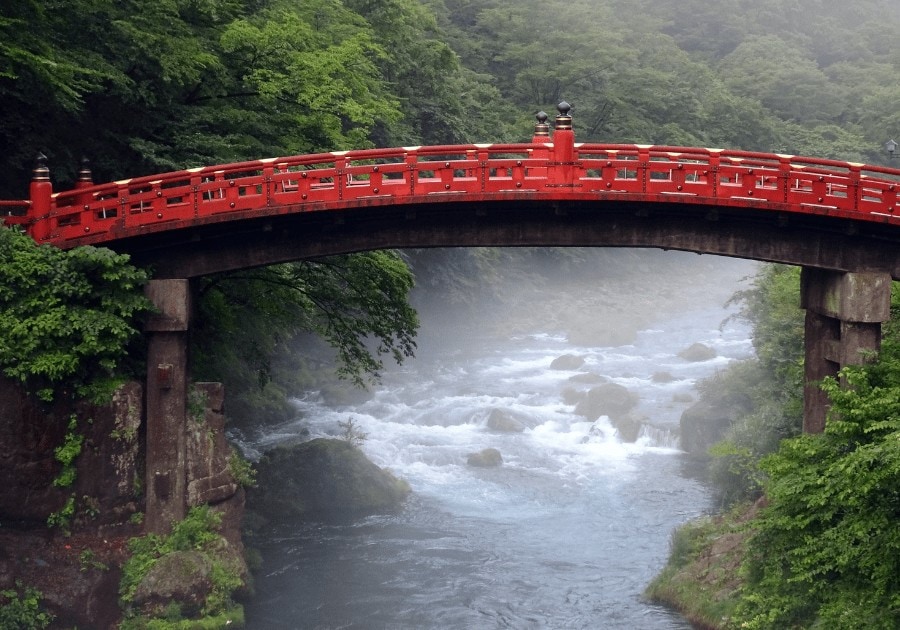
<point x="567" y="533"/>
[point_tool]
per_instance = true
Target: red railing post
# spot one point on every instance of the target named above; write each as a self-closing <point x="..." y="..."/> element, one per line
<point x="854" y="190"/>
<point x="562" y="166"/>
<point x="85" y="180"/>
<point x="41" y="194"/>
<point x="541" y="150"/>
<point x="784" y="176"/>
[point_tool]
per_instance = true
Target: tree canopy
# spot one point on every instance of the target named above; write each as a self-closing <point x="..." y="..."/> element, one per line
<point x="66" y="318"/>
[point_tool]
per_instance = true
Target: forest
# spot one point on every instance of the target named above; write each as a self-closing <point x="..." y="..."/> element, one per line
<point x="142" y="86"/>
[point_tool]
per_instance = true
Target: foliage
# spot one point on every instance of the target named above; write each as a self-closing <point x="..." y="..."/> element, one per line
<point x="700" y="577"/>
<point x="242" y="470"/>
<point x="66" y="317"/>
<point x="152" y="85"/>
<point x="350" y="432"/>
<point x="21" y="608"/>
<point x="231" y="618"/>
<point x="198" y="531"/>
<point x="62" y="518"/>
<point x="826" y="550"/>
<point x="66" y="454"/>
<point x="772" y="381"/>
<point x="356" y="303"/>
<point x="88" y="561"/>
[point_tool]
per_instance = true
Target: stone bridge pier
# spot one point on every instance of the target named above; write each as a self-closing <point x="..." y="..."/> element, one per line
<point x="167" y="407"/>
<point x="187" y="457"/>
<point x="844" y="313"/>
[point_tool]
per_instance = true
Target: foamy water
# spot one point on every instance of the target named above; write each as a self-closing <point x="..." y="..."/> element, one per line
<point x="565" y="534"/>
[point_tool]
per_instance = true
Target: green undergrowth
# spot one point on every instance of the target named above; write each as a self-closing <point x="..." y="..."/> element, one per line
<point x="21" y="608"/>
<point x="702" y="577"/>
<point x="233" y="617"/>
<point x="197" y="532"/>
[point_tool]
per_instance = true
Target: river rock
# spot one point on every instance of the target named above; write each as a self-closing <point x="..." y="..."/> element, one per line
<point x="323" y="480"/>
<point x="588" y="378"/>
<point x="181" y="577"/>
<point x="697" y="352"/>
<point x="628" y="426"/>
<point x="567" y="362"/>
<point x="608" y="399"/>
<point x="504" y="421"/>
<point x="662" y="377"/>
<point x="572" y="396"/>
<point x="487" y="458"/>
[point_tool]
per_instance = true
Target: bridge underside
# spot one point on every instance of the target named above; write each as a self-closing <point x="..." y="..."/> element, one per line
<point x="806" y="240"/>
<point x="848" y="269"/>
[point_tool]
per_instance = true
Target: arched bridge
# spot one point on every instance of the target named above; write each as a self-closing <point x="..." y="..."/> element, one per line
<point x="552" y="191"/>
<point x="839" y="221"/>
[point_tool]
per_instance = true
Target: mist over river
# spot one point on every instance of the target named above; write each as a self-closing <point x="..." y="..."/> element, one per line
<point x="574" y="524"/>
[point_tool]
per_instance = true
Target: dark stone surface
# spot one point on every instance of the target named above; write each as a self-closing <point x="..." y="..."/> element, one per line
<point x="697" y="352"/>
<point x="608" y="399"/>
<point x="567" y="362"/>
<point x="322" y="480"/>
<point x="487" y="458"/>
<point x="504" y="421"/>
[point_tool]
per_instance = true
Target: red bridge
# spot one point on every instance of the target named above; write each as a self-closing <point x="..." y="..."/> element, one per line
<point x="800" y="203"/>
<point x="840" y="221"/>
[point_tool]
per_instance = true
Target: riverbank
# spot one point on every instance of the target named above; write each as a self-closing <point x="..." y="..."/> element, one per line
<point x="702" y="577"/>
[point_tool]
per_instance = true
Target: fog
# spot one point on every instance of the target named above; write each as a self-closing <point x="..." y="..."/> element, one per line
<point x="573" y="524"/>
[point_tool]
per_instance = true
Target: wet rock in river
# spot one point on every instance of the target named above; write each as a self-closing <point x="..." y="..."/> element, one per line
<point x="567" y="362"/>
<point x="608" y="399"/>
<point x="323" y="479"/>
<point x="487" y="458"/>
<point x="503" y="421"/>
<point x="697" y="352"/>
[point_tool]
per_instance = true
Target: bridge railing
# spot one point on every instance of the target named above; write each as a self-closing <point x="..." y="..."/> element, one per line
<point x="339" y="180"/>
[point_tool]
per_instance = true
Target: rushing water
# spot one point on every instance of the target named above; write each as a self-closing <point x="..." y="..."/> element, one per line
<point x="565" y="534"/>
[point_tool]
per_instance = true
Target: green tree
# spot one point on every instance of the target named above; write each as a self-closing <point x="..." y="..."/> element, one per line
<point x="358" y="304"/>
<point x="66" y="317"/>
<point x="772" y="382"/>
<point x="826" y="550"/>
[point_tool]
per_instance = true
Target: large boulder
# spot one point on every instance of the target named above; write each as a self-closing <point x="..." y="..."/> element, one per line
<point x="182" y="577"/>
<point x="323" y="480"/>
<point x="185" y="579"/>
<point x="504" y="421"/>
<point x="588" y="378"/>
<point x="608" y="399"/>
<point x="628" y="426"/>
<point x="697" y="352"/>
<point x="486" y="458"/>
<point x="567" y="362"/>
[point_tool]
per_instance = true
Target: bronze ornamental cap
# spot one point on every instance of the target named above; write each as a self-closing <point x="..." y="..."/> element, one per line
<point x="563" y="119"/>
<point x="84" y="173"/>
<point x="541" y="128"/>
<point x="40" y="172"/>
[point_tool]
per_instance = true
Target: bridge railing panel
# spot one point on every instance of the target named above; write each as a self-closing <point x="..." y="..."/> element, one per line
<point x="453" y="170"/>
<point x="879" y="198"/>
<point x="14" y="212"/>
<point x="337" y="180"/>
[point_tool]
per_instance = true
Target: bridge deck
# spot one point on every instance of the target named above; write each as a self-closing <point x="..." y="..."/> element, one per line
<point x="101" y="213"/>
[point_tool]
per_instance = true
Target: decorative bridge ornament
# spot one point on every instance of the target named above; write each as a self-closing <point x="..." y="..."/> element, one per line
<point x="551" y="169"/>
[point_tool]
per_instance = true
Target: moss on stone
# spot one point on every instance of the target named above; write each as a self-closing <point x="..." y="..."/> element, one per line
<point x="323" y="479"/>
